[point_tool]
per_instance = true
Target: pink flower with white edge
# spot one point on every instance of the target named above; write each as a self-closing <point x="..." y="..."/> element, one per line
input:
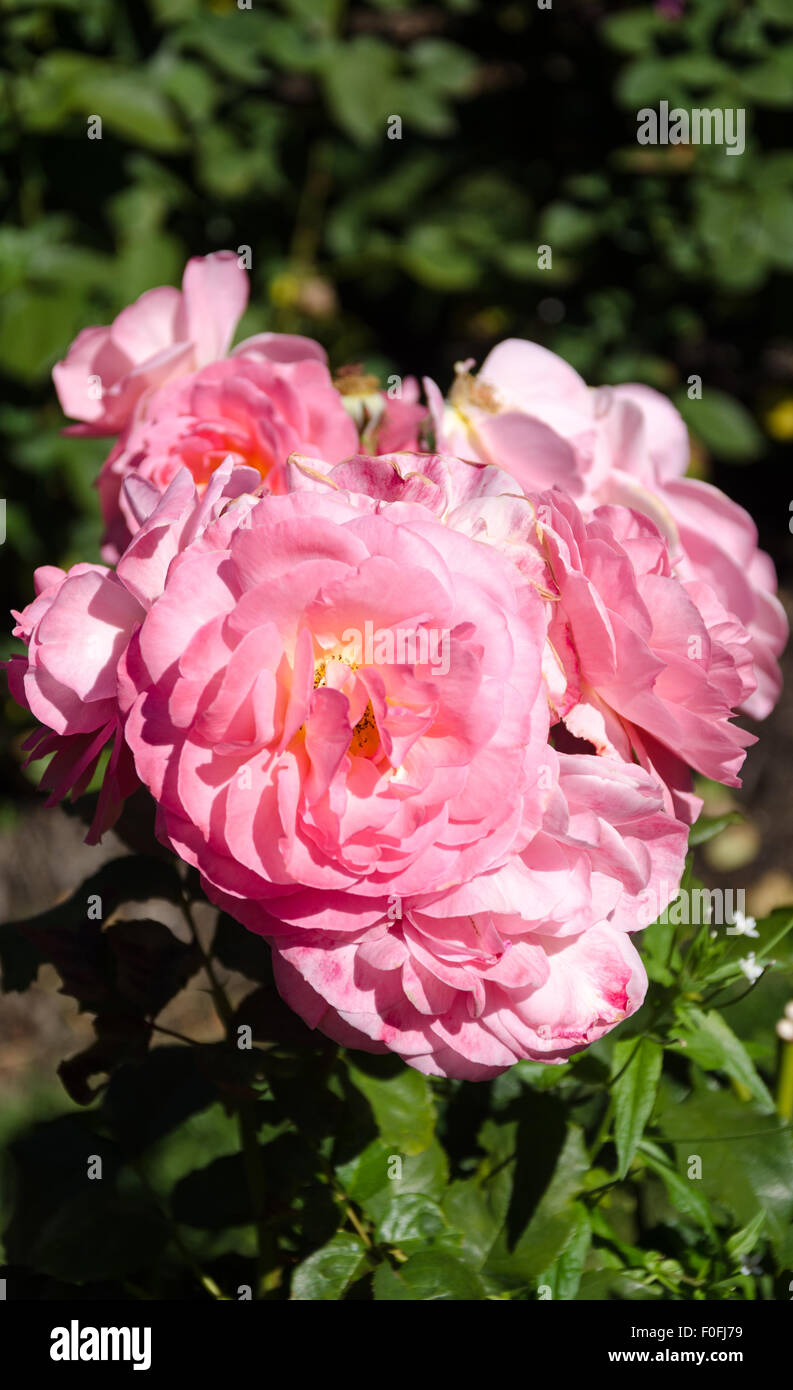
<point x="77" y="630"/>
<point x="530" y="960"/>
<point x="333" y="699"/>
<point x="529" y="412"/>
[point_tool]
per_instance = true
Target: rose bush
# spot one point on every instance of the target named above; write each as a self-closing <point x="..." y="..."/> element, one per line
<point x="427" y="722"/>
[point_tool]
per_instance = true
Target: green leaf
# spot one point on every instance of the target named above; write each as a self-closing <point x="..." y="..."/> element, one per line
<point x="632" y="31"/>
<point x="360" y="78"/>
<point x="329" y="1271"/>
<point x="633" y="1093"/>
<point x="722" y="423"/>
<point x="564" y="1276"/>
<point x="566" y="227"/>
<point x="746" y="1157"/>
<point x="429" y="1276"/>
<point x="432" y="254"/>
<point x="644" y="83"/>
<point x="745" y="1241"/>
<point x="553" y="1224"/>
<point x="401" y="1103"/>
<point x="711" y="1042"/>
<point x="412" y="1221"/>
<point x="683" y="1193"/>
<point x="478" y="1207"/>
<point x="767" y="84"/>
<point x="449" y="67"/>
<point x="708" y="827"/>
<point x="777" y="10"/>
<point x="698" y="70"/>
<point x="130" y="105"/>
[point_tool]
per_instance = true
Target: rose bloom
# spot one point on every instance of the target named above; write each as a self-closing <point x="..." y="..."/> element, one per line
<point x="436" y="876"/>
<point x="529" y="960"/>
<point x="159" y="377"/>
<point x="529" y="412"/>
<point x="77" y="629"/>
<point x="166" y="333"/>
<point x="283" y="756"/>
<point x="252" y="409"/>
<point x="636" y="662"/>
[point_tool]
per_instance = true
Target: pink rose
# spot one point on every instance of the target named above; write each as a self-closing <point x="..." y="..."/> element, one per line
<point x="636" y="662"/>
<point x="253" y="409"/>
<point x="529" y="412"/>
<point x="528" y="960"/>
<point x="651" y="667"/>
<point x="77" y="630"/>
<point x="164" y="334"/>
<point x="329" y="698"/>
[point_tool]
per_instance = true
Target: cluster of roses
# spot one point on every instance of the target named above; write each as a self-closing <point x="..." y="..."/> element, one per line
<point x="447" y="862"/>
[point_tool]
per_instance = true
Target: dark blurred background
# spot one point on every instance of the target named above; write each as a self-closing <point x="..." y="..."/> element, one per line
<point x="267" y="128"/>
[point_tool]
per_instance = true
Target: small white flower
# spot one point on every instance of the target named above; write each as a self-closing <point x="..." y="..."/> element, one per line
<point x="750" y="968"/>
<point x="743" y="926"/>
<point x="751" y="1264"/>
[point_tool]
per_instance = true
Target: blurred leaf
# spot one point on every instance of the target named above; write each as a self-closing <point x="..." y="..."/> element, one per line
<point x="566" y="227"/>
<point x="448" y="66"/>
<point x="707" y="827"/>
<point x="768" y="84"/>
<point x="432" y="256"/>
<point x="360" y="78"/>
<point x="632" y="31"/>
<point x="722" y="423"/>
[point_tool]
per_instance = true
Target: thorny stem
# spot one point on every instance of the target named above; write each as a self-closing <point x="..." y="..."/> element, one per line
<point x="266" y="1276"/>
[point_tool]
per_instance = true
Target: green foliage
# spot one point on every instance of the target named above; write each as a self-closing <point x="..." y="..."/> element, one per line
<point x="651" y="1166"/>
